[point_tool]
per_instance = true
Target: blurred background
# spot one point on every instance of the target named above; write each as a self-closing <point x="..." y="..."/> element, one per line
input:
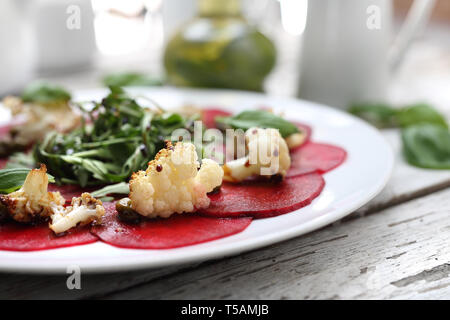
<point x="323" y="51"/>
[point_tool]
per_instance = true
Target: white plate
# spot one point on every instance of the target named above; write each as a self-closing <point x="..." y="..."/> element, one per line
<point x="358" y="180"/>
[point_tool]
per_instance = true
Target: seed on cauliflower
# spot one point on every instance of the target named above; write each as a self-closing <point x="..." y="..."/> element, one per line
<point x="83" y="210"/>
<point x="172" y="182"/>
<point x="268" y="155"/>
<point x="32" y="202"/>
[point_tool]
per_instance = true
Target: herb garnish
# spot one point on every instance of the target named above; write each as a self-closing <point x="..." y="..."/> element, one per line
<point x="119" y="138"/>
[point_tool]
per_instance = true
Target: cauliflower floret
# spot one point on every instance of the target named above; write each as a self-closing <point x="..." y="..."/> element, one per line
<point x="40" y="119"/>
<point x="296" y="139"/>
<point x="268" y="155"/>
<point x="83" y="210"/>
<point x="32" y="202"/>
<point x="172" y="182"/>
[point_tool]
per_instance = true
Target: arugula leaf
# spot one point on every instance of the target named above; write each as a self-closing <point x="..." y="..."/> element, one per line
<point x="419" y="114"/>
<point x="118" y="188"/>
<point x="258" y="118"/>
<point x="13" y="179"/>
<point x="120" y="138"/>
<point x="45" y="93"/>
<point x="124" y="79"/>
<point x="427" y="146"/>
<point x="380" y="115"/>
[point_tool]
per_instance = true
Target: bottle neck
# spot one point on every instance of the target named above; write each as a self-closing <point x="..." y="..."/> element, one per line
<point x="219" y="8"/>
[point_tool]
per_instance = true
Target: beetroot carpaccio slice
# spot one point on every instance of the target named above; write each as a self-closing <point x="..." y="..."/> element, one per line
<point x="315" y="157"/>
<point x="17" y="237"/>
<point x="263" y="199"/>
<point x="176" y="231"/>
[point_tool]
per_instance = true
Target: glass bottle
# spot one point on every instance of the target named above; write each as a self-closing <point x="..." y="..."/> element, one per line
<point x="219" y="49"/>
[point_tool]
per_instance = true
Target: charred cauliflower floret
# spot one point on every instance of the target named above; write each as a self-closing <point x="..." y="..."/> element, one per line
<point x="33" y="202"/>
<point x="82" y="211"/>
<point x="173" y="183"/>
<point x="268" y="155"/>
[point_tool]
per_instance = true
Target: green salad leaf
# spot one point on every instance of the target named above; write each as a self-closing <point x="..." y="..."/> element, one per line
<point x="427" y="146"/>
<point x="120" y="138"/>
<point x="258" y="118"/>
<point x="118" y="188"/>
<point x="425" y="132"/>
<point x="13" y="179"/>
<point x="45" y="93"/>
<point x="385" y="116"/>
<point x="125" y="79"/>
<point x="420" y="114"/>
<point x="380" y="115"/>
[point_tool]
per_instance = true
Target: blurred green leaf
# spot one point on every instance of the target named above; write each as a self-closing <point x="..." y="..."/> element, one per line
<point x="45" y="93"/>
<point x="126" y="79"/>
<point x="427" y="146"/>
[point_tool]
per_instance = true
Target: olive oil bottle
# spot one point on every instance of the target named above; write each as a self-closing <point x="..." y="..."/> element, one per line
<point x="219" y="49"/>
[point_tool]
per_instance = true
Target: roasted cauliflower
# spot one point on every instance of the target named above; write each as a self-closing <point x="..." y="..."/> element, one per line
<point x="83" y="210"/>
<point x="32" y="202"/>
<point x="173" y="182"/>
<point x="267" y="155"/>
<point x="39" y="119"/>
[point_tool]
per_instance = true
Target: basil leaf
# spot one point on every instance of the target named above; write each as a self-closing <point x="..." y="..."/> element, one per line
<point x="258" y="118"/>
<point x="41" y="92"/>
<point x="124" y="79"/>
<point x="380" y="115"/>
<point x="418" y="114"/>
<point x="118" y="188"/>
<point x="427" y="146"/>
<point x="385" y="116"/>
<point x="13" y="179"/>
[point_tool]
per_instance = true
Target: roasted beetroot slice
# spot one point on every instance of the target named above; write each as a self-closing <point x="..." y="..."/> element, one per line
<point x="263" y="199"/>
<point x="17" y="237"/>
<point x="176" y="231"/>
<point x="315" y="157"/>
<point x="210" y="114"/>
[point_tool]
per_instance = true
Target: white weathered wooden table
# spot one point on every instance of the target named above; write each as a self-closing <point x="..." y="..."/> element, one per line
<point x="397" y="246"/>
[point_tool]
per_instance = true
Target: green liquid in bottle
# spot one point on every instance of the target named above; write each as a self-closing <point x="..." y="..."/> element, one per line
<point x="219" y="49"/>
